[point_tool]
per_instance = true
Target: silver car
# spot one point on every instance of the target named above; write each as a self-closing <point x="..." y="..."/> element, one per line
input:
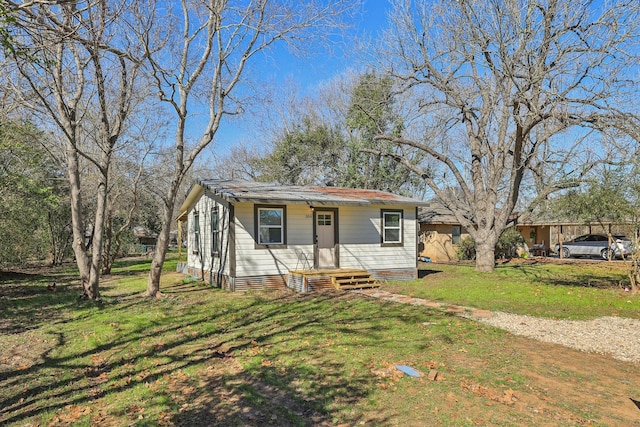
<point x="596" y="245"/>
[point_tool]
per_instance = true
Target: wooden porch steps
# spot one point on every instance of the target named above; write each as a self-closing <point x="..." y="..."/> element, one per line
<point x="339" y="278"/>
<point x="354" y="280"/>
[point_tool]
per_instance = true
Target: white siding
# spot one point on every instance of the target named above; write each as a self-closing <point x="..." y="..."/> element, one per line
<point x="360" y="239"/>
<point x="252" y="261"/>
<point x="202" y="259"/>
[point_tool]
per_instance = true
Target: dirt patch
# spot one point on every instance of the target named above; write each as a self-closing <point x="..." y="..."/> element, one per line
<point x="561" y="382"/>
<point x="591" y="383"/>
<point x="23" y="351"/>
<point x="224" y="394"/>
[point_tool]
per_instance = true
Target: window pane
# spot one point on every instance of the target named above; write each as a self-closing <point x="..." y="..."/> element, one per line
<point x="456" y="232"/>
<point x="270" y="217"/>
<point x="391" y="235"/>
<point x="270" y="223"/>
<point x="214" y="230"/>
<point x="271" y="235"/>
<point x="392" y="227"/>
<point x="391" y="220"/>
<point x="324" y="219"/>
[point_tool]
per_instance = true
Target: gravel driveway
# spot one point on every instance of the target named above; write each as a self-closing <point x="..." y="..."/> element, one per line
<point x="615" y="336"/>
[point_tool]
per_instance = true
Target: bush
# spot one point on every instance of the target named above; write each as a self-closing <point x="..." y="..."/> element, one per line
<point x="508" y="243"/>
<point x="507" y="246"/>
<point x="466" y="249"/>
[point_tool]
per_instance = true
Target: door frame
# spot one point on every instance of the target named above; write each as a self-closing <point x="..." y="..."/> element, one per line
<point x="336" y="234"/>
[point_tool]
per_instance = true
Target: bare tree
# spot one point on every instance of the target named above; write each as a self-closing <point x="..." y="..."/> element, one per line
<point x="80" y="74"/>
<point x="513" y="97"/>
<point x="129" y="180"/>
<point x="200" y="63"/>
<point x="240" y="162"/>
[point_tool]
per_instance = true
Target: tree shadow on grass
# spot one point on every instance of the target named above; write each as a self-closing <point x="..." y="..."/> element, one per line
<point x="572" y="279"/>
<point x="232" y="397"/>
<point x="158" y="357"/>
<point x="588" y="281"/>
<point x="30" y="299"/>
<point x="422" y="273"/>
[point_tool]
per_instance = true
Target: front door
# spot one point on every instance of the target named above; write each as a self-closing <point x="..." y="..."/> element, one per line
<point x="325" y="224"/>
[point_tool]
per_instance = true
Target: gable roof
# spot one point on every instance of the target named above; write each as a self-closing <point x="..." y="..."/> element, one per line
<point x="258" y="192"/>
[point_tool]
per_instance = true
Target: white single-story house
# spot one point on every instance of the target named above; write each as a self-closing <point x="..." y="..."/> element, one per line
<point x="247" y="235"/>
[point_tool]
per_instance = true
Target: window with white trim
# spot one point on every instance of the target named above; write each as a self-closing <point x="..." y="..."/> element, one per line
<point x="270" y="226"/>
<point x="196" y="233"/>
<point x="215" y="231"/>
<point x="391" y="227"/>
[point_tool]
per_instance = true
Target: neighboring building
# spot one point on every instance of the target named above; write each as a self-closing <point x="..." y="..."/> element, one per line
<point x="145" y="236"/>
<point x="440" y="232"/>
<point x="145" y="241"/>
<point x="246" y="235"/>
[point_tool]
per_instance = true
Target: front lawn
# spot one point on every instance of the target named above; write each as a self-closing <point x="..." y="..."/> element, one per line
<point x="572" y="290"/>
<point x="201" y="356"/>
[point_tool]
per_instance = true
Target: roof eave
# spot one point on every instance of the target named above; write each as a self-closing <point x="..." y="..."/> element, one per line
<point x="194" y="195"/>
<point x="318" y="202"/>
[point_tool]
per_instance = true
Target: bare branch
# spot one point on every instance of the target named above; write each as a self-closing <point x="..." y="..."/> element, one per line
<point x="521" y="84"/>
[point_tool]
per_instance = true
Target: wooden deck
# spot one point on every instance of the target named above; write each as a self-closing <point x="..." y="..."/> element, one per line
<point x="339" y="278"/>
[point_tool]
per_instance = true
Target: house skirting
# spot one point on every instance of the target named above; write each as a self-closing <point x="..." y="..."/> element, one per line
<point x="395" y="274"/>
<point x="258" y="283"/>
<point x="307" y="281"/>
<point x="297" y="282"/>
<point x="223" y="281"/>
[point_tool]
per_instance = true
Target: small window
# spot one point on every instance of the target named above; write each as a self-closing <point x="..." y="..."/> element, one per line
<point x="391" y="228"/>
<point x="324" y="219"/>
<point x="456" y="232"/>
<point x="215" y="232"/>
<point x="270" y="226"/>
<point x="196" y="232"/>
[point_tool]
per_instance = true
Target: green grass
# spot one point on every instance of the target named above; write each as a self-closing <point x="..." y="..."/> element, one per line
<point x="201" y="356"/>
<point x="573" y="291"/>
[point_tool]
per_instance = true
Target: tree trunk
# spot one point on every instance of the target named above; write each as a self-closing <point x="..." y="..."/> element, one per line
<point x="485" y="250"/>
<point x="107" y="253"/>
<point x="78" y="246"/>
<point x="162" y="244"/>
<point x="92" y="286"/>
<point x="485" y="257"/>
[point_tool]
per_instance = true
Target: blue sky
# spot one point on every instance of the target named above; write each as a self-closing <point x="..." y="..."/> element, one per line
<point x="311" y="71"/>
<point x="307" y="73"/>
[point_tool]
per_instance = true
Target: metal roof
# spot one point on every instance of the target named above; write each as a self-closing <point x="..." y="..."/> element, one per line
<point x="258" y="192"/>
<point x="434" y="212"/>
